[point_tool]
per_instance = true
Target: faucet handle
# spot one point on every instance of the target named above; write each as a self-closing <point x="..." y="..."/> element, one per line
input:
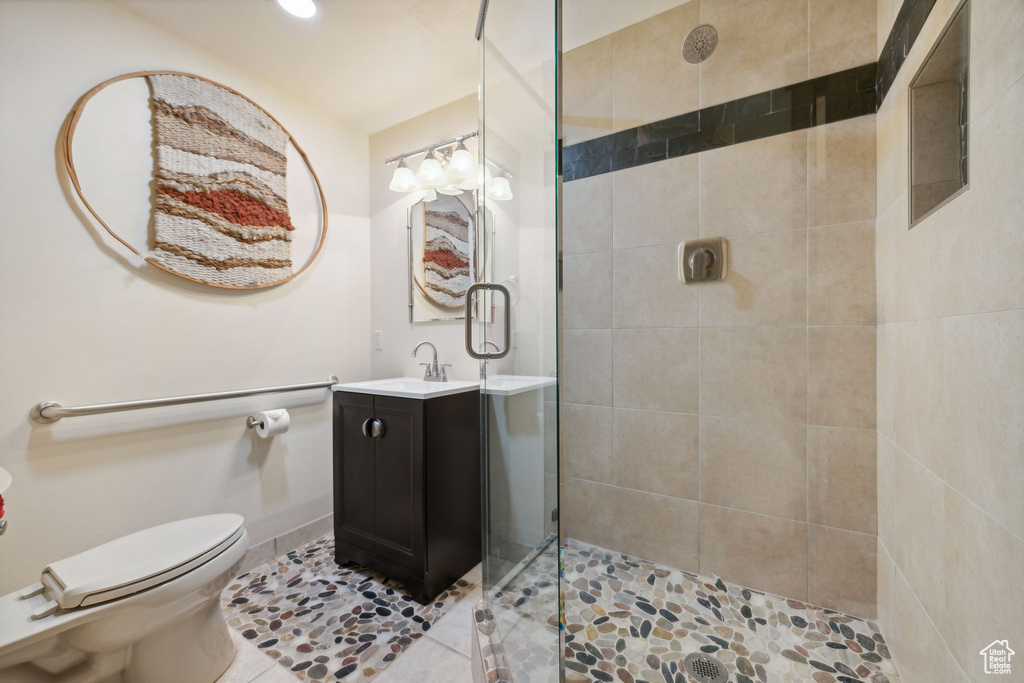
<point x="444" y="375"/>
<point x="426" y="373"/>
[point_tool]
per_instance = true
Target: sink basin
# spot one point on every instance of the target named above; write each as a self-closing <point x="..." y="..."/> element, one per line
<point x="408" y="387"/>
<point x="510" y="385"/>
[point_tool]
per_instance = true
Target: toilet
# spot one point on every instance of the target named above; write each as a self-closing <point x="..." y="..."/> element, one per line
<point x="144" y="608"/>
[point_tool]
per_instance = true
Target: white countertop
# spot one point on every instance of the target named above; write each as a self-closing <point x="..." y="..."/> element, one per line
<point x="408" y="387"/>
<point x="412" y="387"/>
<point x="509" y="385"/>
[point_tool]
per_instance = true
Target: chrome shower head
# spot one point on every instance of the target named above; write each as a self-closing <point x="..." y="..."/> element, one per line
<point x="699" y="45"/>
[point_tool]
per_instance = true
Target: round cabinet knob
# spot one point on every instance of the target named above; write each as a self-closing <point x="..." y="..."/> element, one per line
<point x="367" y="424"/>
<point x="377" y="429"/>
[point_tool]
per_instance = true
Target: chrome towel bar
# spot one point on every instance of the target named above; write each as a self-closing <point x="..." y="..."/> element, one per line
<point x="49" y="412"/>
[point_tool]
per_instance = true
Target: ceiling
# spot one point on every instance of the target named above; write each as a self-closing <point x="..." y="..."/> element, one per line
<point x="371" y="63"/>
<point x="376" y="63"/>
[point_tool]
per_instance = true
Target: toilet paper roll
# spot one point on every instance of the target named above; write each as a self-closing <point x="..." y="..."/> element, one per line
<point x="272" y="423"/>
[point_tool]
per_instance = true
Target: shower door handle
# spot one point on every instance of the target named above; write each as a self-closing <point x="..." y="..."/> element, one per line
<point x="483" y="355"/>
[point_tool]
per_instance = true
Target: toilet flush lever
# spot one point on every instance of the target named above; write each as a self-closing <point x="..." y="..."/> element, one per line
<point x="702" y="261"/>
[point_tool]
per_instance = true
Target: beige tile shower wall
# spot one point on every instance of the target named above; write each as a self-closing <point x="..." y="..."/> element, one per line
<point x="727" y="429"/>
<point x="951" y="373"/>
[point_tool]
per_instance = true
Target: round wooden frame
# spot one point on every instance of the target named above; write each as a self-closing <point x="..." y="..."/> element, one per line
<point x="69" y="164"/>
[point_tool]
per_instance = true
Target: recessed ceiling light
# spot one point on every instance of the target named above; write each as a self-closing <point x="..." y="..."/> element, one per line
<point x="300" y="8"/>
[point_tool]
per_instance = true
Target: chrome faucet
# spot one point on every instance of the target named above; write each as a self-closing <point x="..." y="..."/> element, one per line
<point x="483" y="363"/>
<point x="434" y="372"/>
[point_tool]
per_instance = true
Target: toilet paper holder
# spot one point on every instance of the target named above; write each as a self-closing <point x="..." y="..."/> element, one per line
<point x="269" y="423"/>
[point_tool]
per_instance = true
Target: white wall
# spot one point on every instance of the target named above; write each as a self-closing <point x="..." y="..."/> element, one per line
<point x="80" y="322"/>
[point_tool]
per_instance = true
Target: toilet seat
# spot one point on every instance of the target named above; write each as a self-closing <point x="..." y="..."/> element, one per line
<point x="139" y="561"/>
<point x="129" y="608"/>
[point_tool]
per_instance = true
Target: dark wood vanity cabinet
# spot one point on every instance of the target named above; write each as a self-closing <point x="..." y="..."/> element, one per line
<point x="407" y="487"/>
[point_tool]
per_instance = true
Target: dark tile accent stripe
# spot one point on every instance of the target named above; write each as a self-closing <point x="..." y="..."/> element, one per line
<point x="909" y="22"/>
<point x="838" y="96"/>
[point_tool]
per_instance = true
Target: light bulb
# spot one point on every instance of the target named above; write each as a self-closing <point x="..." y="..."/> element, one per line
<point x="430" y="173"/>
<point x="462" y="166"/>
<point x="404" y="180"/>
<point x="303" y="9"/>
<point x="500" y="190"/>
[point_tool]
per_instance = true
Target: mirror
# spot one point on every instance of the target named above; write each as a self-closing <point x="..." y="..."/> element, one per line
<point x="938" y="121"/>
<point x="446" y="256"/>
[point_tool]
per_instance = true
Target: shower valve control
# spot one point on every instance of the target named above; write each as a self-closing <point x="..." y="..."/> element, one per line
<point x="702" y="261"/>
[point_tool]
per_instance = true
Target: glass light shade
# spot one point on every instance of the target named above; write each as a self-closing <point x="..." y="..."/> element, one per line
<point x="430" y="196"/>
<point x="430" y="173"/>
<point x="404" y="180"/>
<point x="462" y="166"/>
<point x="500" y="190"/>
<point x="450" y="189"/>
<point x="482" y="178"/>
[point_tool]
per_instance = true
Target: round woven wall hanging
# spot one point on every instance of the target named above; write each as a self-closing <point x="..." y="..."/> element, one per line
<point x="220" y="200"/>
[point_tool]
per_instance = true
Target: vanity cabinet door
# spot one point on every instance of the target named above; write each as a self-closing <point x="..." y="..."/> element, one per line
<point x="399" y="481"/>
<point x="355" y="492"/>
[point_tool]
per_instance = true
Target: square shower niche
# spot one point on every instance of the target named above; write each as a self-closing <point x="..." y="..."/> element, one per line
<point x="938" y="121"/>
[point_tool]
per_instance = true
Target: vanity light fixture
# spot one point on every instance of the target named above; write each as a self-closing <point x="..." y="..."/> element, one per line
<point x="304" y="9"/>
<point x="430" y="173"/>
<point x="403" y="180"/>
<point x="451" y="173"/>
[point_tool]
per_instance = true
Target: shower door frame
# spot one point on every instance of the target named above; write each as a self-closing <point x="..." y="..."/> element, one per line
<point x="493" y="585"/>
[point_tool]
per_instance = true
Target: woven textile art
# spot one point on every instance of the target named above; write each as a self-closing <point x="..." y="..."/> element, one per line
<point x="221" y="198"/>
<point x="448" y="251"/>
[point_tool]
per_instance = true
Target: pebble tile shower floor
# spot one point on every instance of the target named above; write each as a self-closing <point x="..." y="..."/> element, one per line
<point x="324" y="622"/>
<point x="631" y="620"/>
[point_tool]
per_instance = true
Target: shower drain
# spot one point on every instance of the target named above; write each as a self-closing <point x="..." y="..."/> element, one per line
<point x="699" y="45"/>
<point x="705" y="668"/>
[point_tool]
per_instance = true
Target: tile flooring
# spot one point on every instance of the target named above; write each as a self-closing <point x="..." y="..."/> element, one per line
<point x="631" y="620"/>
<point x="282" y="613"/>
<point x="626" y="620"/>
<point x="638" y="621"/>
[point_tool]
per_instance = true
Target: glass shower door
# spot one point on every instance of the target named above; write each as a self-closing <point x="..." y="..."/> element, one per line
<point x="516" y="333"/>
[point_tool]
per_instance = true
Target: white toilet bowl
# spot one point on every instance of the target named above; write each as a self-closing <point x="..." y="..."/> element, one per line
<point x="143" y="609"/>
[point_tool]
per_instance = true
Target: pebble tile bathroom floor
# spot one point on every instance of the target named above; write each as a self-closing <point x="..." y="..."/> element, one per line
<point x="631" y="620"/>
<point x="626" y="620"/>
<point x="280" y="639"/>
